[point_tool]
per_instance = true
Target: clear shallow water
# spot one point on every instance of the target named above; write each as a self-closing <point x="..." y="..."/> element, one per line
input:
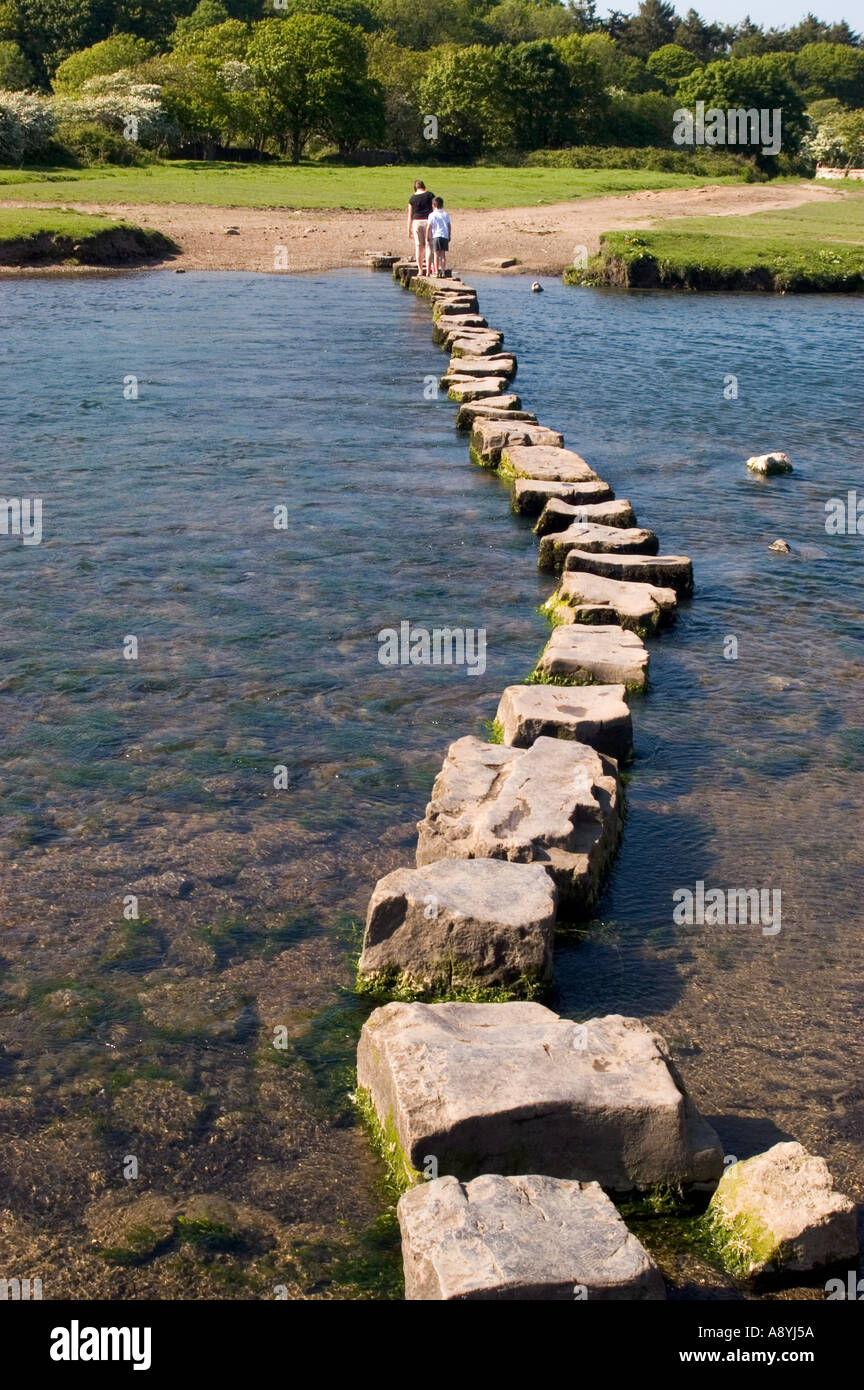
<point x="257" y="648"/>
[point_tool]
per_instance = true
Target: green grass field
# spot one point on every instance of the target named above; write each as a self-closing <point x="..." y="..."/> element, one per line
<point x="325" y="186"/>
<point x="817" y="247"/>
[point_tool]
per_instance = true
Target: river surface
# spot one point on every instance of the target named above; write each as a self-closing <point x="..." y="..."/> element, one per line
<point x="195" y="725"/>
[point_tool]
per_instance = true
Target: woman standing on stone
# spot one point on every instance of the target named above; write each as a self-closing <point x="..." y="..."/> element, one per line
<point x="419" y="208"/>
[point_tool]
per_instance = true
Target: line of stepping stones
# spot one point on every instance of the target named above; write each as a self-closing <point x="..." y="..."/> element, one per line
<point x="530" y="1118"/>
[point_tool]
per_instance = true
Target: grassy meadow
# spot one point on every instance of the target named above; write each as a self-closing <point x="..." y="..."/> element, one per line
<point x="226" y="184"/>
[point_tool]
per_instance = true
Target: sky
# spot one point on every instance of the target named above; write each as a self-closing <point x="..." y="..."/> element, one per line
<point x="770" y="14"/>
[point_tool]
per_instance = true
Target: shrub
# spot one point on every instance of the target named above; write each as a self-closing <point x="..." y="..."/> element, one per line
<point x="90" y="142"/>
<point x="27" y="123"/>
<point x="16" y="72"/>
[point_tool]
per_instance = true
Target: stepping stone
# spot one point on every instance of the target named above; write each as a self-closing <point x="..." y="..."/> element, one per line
<point x="555" y="803"/>
<point x="586" y="655"/>
<point x="475" y="345"/>
<point x="596" y="714"/>
<point x="528" y="496"/>
<point x="534" y="459"/>
<point x="378" y="260"/>
<point x="520" y="1238"/>
<point x="667" y="571"/>
<point x="468" y="388"/>
<point x="490" y="437"/>
<point x="506" y="407"/>
<point x="779" y="1212"/>
<point x="505" y="1088"/>
<point x="501" y="364"/>
<point x="461" y="923"/>
<point x="589" y="598"/>
<point x="404" y="271"/>
<point x="453" y="322"/>
<point x="558" y="515"/>
<point x="555" y="547"/>
<point x="445" y="308"/>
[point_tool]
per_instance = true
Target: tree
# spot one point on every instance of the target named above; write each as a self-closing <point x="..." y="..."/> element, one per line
<point x="206" y="15"/>
<point x="619" y="69"/>
<point x="831" y="70"/>
<point x="430" y="24"/>
<point x="311" y="70"/>
<point x="540" y="95"/>
<point x="16" y="71"/>
<point x="48" y="31"/>
<point x="764" y="83"/>
<point x="670" y="64"/>
<point x="588" y="100"/>
<point x="353" y="12"/>
<point x="522" y="21"/>
<point x="399" y="73"/>
<point x="705" y="41"/>
<point x="464" y="90"/>
<point x="111" y="55"/>
<point x="650" y="28"/>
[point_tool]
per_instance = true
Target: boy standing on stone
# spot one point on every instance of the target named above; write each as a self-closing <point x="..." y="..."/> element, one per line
<point x="439" y="231"/>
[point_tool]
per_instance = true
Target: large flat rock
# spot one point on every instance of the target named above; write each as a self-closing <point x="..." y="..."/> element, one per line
<point x="505" y="407"/>
<point x="529" y="496"/>
<point x="476" y="344"/>
<point x="490" y="437"/>
<point x="556" y="803"/>
<point x="513" y="1088"/>
<point x="448" y="323"/>
<point x="461" y="922"/>
<point x="473" y="388"/>
<point x="631" y="540"/>
<point x="597" y="715"/>
<point x="604" y="654"/>
<point x="779" y="1212"/>
<point x="589" y="598"/>
<point x="558" y="515"/>
<point x="500" y="364"/>
<point x="534" y="459"/>
<point x="455" y="306"/>
<point x="666" y="571"/>
<point x="519" y="1239"/>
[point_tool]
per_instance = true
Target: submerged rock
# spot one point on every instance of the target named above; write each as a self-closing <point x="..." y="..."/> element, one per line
<point x="555" y="803"/>
<point x="779" y="1212"/>
<point x="780" y="547"/>
<point x="460" y="923"/>
<point x="191" y="1008"/>
<point x="769" y="464"/>
<point x="520" y="1238"/>
<point x="590" y="598"/>
<point x="605" y="654"/>
<point x="490" y="437"/>
<point x="558" y="515"/>
<point x="556" y="545"/>
<point x="505" y="1088"/>
<point x="529" y="496"/>
<point x="666" y="571"/>
<point x="597" y="715"/>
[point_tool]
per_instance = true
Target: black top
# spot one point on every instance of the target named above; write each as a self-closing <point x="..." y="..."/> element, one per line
<point x="421" y="205"/>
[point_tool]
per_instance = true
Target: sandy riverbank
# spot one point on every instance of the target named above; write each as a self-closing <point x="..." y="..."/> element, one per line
<point x="542" y="239"/>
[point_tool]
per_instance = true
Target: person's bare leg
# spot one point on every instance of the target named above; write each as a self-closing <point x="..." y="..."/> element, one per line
<point x="441" y="261"/>
<point x="416" y="232"/>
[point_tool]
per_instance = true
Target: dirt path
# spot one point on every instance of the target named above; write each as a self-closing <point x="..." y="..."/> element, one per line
<point x="543" y="239"/>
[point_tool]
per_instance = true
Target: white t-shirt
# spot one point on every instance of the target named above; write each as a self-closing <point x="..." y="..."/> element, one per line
<point x="439" y="223"/>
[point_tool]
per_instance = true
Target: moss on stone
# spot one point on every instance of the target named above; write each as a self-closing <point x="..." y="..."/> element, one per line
<point x="401" y="1174"/>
